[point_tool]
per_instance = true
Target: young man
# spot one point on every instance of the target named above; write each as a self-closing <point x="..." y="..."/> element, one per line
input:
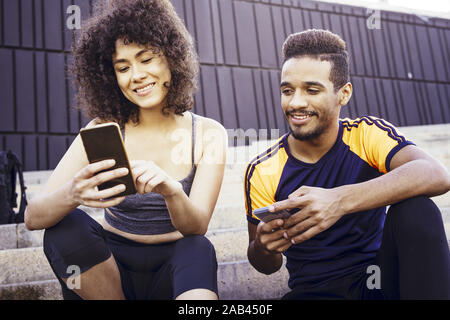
<point x="336" y="177"/>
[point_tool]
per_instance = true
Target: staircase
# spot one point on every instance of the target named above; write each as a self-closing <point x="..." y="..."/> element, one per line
<point x="26" y="274"/>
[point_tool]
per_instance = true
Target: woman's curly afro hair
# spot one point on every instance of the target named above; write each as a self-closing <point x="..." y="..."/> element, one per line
<point x="144" y="22"/>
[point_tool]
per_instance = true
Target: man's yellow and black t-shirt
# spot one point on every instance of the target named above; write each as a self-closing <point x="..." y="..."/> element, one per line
<point x="363" y="151"/>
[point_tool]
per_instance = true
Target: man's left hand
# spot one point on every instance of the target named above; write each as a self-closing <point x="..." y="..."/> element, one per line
<point x="319" y="209"/>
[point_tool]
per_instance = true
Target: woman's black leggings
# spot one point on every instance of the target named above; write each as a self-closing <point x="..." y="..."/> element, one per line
<point x="156" y="271"/>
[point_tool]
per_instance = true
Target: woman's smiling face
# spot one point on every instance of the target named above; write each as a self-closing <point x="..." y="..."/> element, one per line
<point x="142" y="73"/>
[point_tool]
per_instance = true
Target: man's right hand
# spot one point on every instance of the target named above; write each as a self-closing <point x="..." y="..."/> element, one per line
<point x="269" y="237"/>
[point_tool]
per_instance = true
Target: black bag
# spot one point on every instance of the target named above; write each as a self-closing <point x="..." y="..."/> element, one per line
<point x="10" y="166"/>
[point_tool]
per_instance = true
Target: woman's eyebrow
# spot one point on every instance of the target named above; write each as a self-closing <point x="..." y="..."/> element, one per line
<point x="137" y="55"/>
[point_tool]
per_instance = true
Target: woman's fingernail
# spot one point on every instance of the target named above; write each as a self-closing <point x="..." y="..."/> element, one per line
<point x="285" y="235"/>
<point x="293" y="241"/>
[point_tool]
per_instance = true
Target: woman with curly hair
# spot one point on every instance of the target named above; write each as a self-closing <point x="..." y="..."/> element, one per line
<point x="135" y="64"/>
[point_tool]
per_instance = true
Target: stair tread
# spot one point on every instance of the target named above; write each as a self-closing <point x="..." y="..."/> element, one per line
<point x="236" y="280"/>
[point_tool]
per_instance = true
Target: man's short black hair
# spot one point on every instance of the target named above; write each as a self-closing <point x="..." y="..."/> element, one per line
<point x="322" y="45"/>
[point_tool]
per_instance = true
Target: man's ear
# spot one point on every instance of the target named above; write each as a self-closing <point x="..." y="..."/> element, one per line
<point x="345" y="93"/>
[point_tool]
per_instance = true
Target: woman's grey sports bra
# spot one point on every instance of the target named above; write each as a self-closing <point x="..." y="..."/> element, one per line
<point x="147" y="213"/>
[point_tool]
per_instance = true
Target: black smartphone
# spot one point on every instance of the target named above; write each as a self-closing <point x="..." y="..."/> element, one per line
<point x="104" y="142"/>
<point x="265" y="215"/>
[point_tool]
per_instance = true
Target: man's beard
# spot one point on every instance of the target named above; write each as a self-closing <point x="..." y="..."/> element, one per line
<point x="312" y="134"/>
<point x="305" y="136"/>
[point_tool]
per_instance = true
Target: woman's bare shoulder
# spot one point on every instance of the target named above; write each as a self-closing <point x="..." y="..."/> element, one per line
<point x="211" y="124"/>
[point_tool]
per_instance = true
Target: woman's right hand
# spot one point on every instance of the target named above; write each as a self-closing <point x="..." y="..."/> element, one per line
<point x="83" y="187"/>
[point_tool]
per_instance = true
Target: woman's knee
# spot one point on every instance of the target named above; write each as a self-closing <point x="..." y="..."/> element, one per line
<point x="77" y="226"/>
<point x="194" y="265"/>
<point x="196" y="245"/>
<point x="76" y="240"/>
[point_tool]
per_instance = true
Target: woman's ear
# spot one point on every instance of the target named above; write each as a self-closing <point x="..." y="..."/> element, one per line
<point x="345" y="93"/>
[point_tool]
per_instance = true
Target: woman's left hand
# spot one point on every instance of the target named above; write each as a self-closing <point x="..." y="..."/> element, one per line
<point x="151" y="178"/>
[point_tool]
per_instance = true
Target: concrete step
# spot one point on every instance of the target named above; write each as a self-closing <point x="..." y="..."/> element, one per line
<point x="30" y="264"/>
<point x="30" y="276"/>
<point x="236" y="281"/>
<point x="34" y="290"/>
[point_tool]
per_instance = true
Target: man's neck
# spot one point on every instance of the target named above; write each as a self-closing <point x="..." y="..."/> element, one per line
<point x="311" y="151"/>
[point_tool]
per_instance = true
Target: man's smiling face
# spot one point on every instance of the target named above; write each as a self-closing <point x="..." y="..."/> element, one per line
<point x="308" y="98"/>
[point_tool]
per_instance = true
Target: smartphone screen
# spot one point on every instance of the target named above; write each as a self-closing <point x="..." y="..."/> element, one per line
<point x="104" y="142"/>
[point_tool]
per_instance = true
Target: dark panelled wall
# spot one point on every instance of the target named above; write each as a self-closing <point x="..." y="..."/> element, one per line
<point x="400" y="72"/>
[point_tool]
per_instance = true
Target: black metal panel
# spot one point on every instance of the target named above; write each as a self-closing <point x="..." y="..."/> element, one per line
<point x="245" y="99"/>
<point x="189" y="18"/>
<point x="204" y="27"/>
<point x="7" y="90"/>
<point x="11" y="23"/>
<point x="30" y="152"/>
<point x="42" y="152"/>
<point x="379" y="53"/>
<point x="57" y="146"/>
<point x="365" y="40"/>
<point x="228" y="27"/>
<point x="390" y="106"/>
<point x="74" y="114"/>
<point x="14" y="143"/>
<point x="38" y="24"/>
<point x="217" y="31"/>
<point x="41" y="91"/>
<point x="276" y="101"/>
<point x="26" y="26"/>
<point x="266" y="40"/>
<point x="354" y="42"/>
<point x="57" y="103"/>
<point x="442" y="65"/>
<point x="24" y="85"/>
<point x="68" y="33"/>
<point x="298" y="24"/>
<point x="247" y="41"/>
<point x="53" y="27"/>
<point x="410" y="104"/>
<point x="279" y="31"/>
<point x="360" y="107"/>
<point x="371" y="95"/>
<point x="444" y="97"/>
<point x="210" y="93"/>
<point x="261" y="107"/>
<point x="271" y="104"/>
<point x="426" y="58"/>
<point x="227" y="97"/>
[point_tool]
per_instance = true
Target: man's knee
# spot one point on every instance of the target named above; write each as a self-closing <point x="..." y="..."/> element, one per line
<point x="418" y="215"/>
